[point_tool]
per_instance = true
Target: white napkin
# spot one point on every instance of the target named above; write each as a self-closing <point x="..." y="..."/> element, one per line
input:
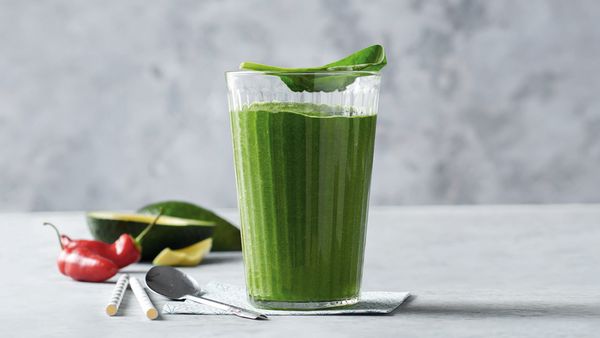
<point x="375" y="302"/>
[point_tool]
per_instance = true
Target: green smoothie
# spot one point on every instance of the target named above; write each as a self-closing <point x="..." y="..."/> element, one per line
<point x="303" y="175"/>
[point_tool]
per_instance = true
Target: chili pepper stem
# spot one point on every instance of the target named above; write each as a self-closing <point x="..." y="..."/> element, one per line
<point x="57" y="233"/>
<point x="140" y="237"/>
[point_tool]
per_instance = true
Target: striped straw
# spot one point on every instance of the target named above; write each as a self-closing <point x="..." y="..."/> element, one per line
<point x="142" y="298"/>
<point x="117" y="295"/>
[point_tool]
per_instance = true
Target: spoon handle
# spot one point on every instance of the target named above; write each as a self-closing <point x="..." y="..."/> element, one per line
<point x="229" y="308"/>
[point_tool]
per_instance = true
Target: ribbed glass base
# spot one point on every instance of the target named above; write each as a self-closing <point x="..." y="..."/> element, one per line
<point x="279" y="305"/>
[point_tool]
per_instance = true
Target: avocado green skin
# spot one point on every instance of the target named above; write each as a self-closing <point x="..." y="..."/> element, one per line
<point x="158" y="238"/>
<point x="226" y="236"/>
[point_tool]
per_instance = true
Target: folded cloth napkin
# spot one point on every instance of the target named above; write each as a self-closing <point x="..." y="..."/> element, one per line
<point x="369" y="303"/>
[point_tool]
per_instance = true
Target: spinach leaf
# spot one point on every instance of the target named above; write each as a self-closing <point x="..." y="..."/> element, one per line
<point x="369" y="59"/>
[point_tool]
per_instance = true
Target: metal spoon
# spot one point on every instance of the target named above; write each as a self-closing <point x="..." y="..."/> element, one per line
<point x="175" y="284"/>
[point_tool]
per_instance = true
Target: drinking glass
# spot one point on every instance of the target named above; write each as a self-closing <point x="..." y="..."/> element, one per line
<point x="303" y="163"/>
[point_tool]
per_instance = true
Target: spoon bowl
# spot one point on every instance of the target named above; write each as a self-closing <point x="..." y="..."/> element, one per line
<point x="172" y="283"/>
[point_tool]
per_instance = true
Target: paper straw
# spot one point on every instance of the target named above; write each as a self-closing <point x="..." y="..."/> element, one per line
<point x="117" y="295"/>
<point x="142" y="298"/>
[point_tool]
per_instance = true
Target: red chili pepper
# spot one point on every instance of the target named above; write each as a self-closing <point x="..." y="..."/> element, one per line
<point x="81" y="263"/>
<point x="84" y="265"/>
<point x="124" y="251"/>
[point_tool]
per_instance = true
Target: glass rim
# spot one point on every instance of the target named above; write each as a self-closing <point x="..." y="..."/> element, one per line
<point x="318" y="73"/>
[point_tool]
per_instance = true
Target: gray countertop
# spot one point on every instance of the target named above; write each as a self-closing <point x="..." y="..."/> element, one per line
<point x="494" y="271"/>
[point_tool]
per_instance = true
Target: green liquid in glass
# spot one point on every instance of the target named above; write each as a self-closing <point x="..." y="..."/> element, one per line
<point x="303" y="177"/>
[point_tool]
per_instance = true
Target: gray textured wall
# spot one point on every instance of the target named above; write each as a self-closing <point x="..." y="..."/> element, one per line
<point x="112" y="104"/>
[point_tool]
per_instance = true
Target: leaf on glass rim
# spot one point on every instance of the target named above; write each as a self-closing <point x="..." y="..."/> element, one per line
<point x="370" y="59"/>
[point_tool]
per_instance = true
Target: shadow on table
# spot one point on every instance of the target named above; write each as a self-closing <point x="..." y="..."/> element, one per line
<point x="483" y="310"/>
<point x="216" y="259"/>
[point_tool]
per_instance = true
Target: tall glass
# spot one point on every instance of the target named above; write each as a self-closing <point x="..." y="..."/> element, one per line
<point x="303" y="168"/>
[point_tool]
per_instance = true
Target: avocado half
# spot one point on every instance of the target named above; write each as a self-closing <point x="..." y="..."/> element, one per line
<point x="171" y="232"/>
<point x="226" y="236"/>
